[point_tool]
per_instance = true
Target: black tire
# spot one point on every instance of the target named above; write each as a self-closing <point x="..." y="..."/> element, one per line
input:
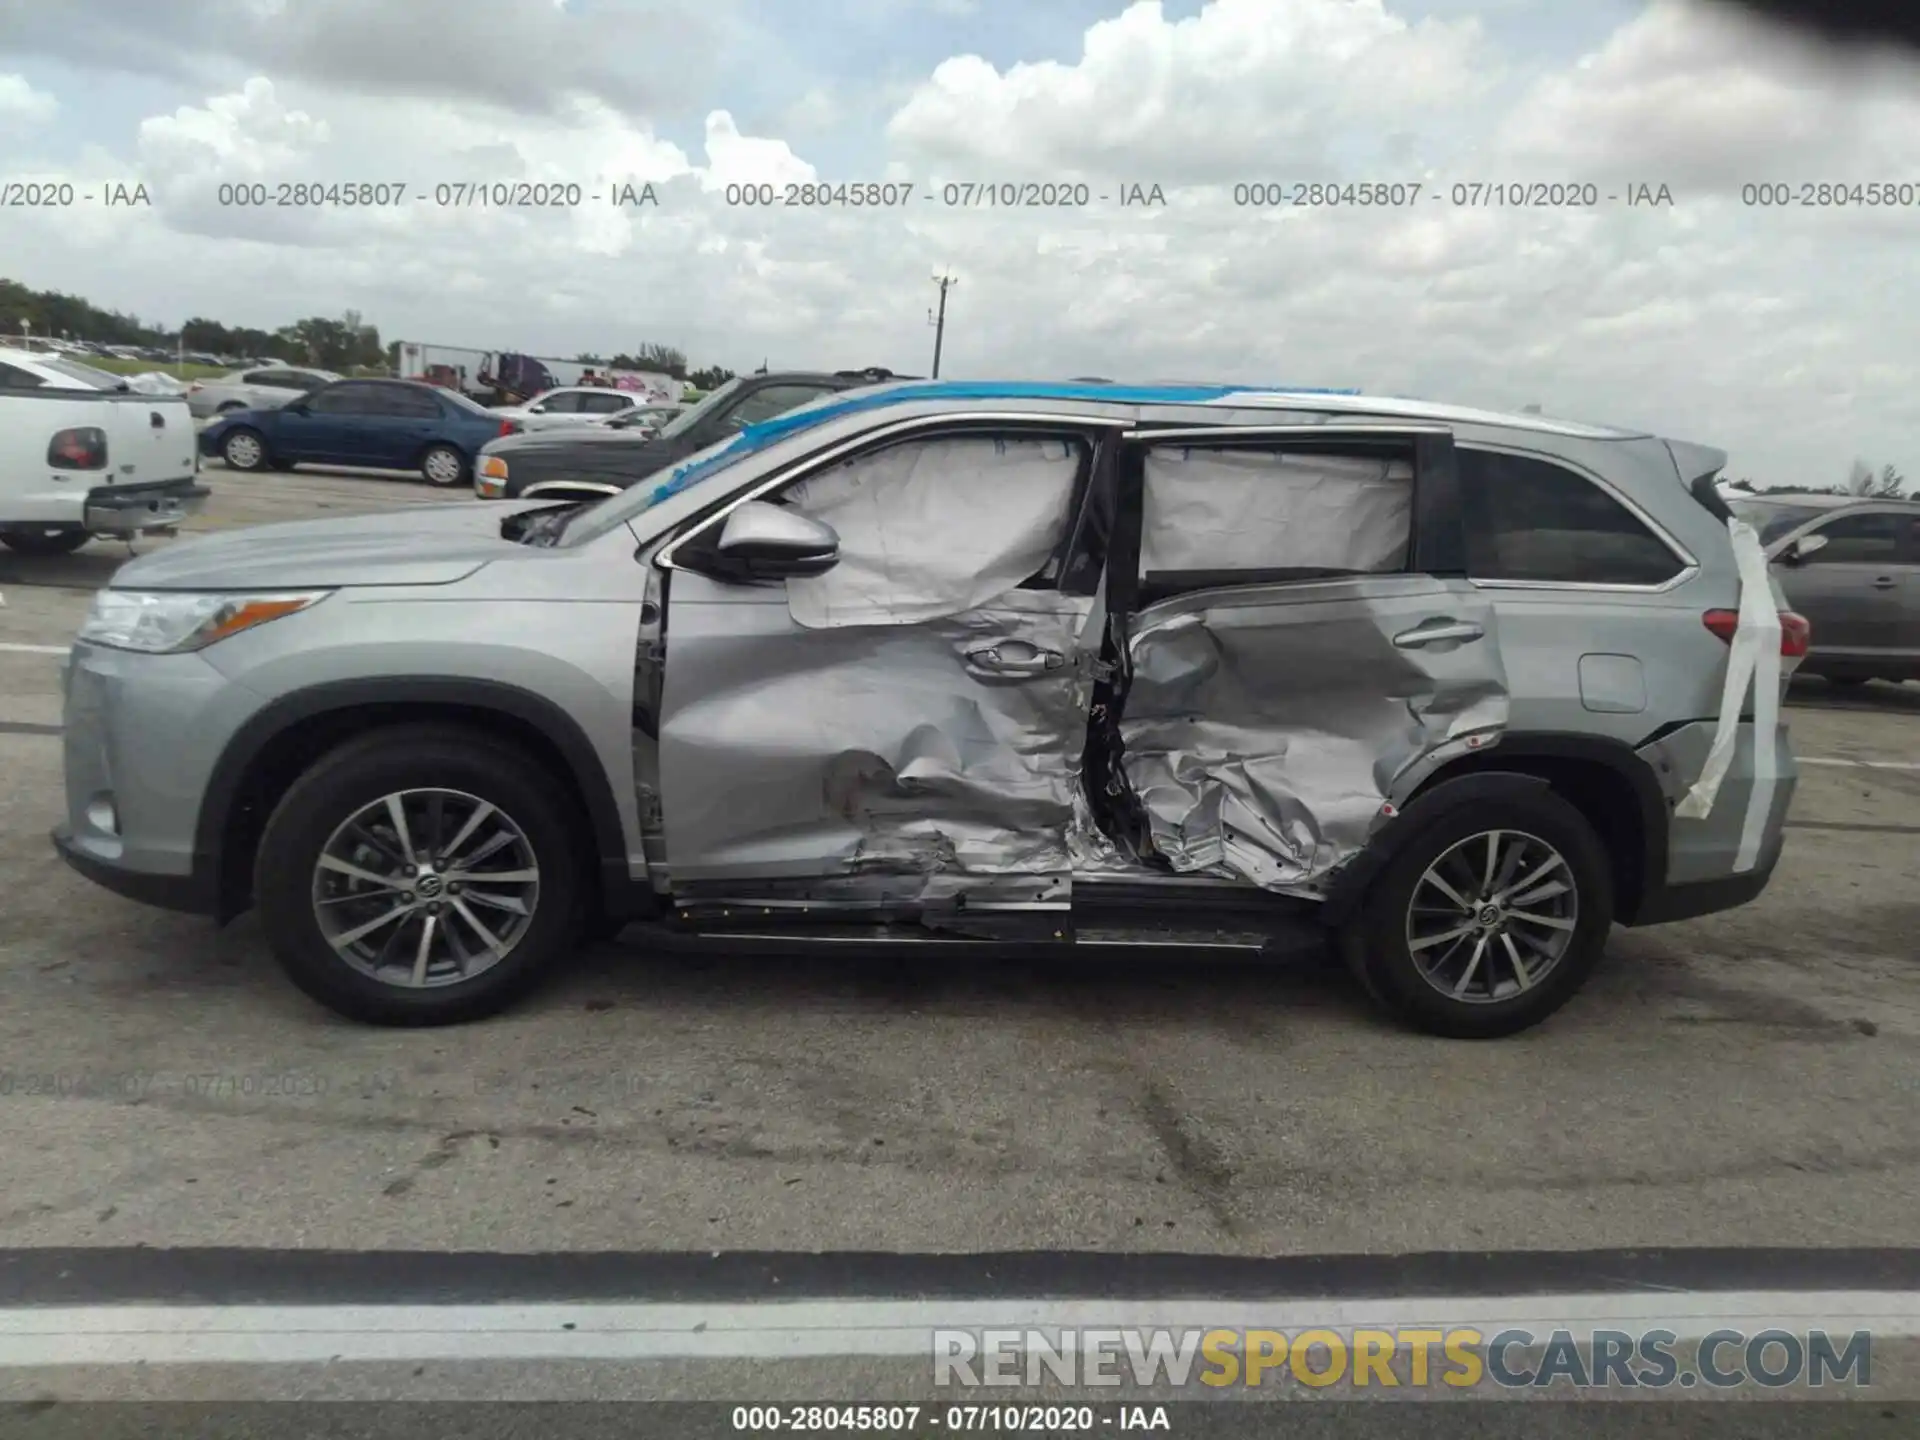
<point x="443" y="467"/>
<point x="245" y="448"/>
<point x="229" y="407"/>
<point x="1378" y="951"/>
<point x="44" y="542"/>
<point x="403" y="758"/>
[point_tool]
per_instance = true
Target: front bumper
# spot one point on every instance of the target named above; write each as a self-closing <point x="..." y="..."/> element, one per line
<point x="126" y="510"/>
<point x="195" y="894"/>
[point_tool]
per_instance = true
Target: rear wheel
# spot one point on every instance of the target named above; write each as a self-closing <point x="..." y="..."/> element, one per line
<point x="245" y="449"/>
<point x="421" y="876"/>
<point x="44" y="542"/>
<point x="443" y="466"/>
<point x="1488" y="921"/>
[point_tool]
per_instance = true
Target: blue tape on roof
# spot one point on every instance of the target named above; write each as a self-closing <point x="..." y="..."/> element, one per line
<point x="758" y="437"/>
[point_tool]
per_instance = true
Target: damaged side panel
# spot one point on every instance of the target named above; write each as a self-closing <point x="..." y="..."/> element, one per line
<point x="877" y="750"/>
<point x="1266" y="730"/>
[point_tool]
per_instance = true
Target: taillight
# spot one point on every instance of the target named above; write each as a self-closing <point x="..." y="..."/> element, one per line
<point x="82" y="448"/>
<point x="1795" y="633"/>
<point x="508" y="427"/>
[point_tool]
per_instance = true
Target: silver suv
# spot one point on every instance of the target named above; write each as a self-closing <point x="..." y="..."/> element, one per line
<point x="960" y="666"/>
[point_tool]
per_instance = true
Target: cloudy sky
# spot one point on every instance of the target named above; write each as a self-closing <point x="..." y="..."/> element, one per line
<point x="1786" y="335"/>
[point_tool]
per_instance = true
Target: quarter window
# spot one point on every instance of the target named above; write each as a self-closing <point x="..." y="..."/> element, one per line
<point x="1532" y="520"/>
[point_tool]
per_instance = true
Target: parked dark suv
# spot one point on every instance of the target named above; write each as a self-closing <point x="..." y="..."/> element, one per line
<point x="589" y="461"/>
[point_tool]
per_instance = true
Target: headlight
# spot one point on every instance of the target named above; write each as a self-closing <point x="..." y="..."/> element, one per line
<point x="161" y="622"/>
<point x="493" y="467"/>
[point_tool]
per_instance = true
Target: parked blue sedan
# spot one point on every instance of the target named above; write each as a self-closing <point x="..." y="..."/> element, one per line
<point x="386" y="424"/>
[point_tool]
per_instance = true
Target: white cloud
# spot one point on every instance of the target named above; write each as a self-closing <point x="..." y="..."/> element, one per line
<point x="1244" y="89"/>
<point x="1698" y="96"/>
<point x="23" y="107"/>
<point x="1782" y="335"/>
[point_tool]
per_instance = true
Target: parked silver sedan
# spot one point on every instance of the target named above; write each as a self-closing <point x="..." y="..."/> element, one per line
<point x="1851" y="565"/>
<point x="264" y="387"/>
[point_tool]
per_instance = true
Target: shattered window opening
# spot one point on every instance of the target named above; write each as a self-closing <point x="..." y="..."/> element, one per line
<point x="1210" y="512"/>
<point x="935" y="527"/>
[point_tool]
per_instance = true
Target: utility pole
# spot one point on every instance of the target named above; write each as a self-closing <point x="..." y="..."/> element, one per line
<point x="939" y="322"/>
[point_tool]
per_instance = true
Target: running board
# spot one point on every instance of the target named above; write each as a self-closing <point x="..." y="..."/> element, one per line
<point x="1157" y="934"/>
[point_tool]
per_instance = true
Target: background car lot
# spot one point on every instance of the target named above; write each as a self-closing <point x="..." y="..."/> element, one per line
<point x="1745" y="1079"/>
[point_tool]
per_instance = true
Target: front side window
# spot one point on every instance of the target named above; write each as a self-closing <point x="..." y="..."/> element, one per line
<point x="1227" y="511"/>
<point x="1770" y="521"/>
<point x="1859" y="540"/>
<point x="1530" y="520"/>
<point x="936" y="527"/>
<point x="560" y="402"/>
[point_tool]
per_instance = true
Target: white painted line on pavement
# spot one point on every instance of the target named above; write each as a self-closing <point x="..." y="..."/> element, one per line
<point x="284" y="1334"/>
<point x="1861" y="764"/>
<point x="14" y="647"/>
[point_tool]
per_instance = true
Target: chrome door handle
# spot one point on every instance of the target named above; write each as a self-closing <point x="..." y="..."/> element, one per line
<point x="1884" y="582"/>
<point x="1434" y="634"/>
<point x="1016" y="657"/>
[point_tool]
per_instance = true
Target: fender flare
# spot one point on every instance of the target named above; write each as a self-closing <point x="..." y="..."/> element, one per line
<point x="223" y="790"/>
<point x="1487" y="779"/>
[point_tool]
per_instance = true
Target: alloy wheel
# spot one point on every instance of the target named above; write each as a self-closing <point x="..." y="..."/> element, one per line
<point x="243" y="452"/>
<point x="423" y="888"/>
<point x="1492" y="916"/>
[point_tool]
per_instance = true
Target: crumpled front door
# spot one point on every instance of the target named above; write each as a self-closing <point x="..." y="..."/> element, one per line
<point x="905" y="730"/>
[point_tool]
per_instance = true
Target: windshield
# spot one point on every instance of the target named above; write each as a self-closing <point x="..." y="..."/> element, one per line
<point x="687" y="419"/>
<point x="641" y="496"/>
<point x="1773" y="520"/>
<point x="85" y="374"/>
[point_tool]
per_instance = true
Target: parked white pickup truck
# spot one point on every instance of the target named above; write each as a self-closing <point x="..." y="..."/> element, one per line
<point x="83" y="454"/>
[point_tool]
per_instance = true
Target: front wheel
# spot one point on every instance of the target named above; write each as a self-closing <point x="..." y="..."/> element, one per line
<point x="1488" y="921"/>
<point x="443" y="466"/>
<point x="424" y="875"/>
<point x="44" y="542"/>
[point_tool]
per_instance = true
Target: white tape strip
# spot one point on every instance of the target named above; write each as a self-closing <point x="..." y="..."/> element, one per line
<point x="1753" y="660"/>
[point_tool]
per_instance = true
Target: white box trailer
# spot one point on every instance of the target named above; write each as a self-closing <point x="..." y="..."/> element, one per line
<point x="497" y="375"/>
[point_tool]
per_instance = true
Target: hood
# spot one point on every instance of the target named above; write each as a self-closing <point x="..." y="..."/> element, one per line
<point x="424" y="545"/>
<point x="567" y="437"/>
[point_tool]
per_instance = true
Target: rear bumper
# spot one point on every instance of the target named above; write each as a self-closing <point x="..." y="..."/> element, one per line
<point x="122" y="510"/>
<point x="1668" y="903"/>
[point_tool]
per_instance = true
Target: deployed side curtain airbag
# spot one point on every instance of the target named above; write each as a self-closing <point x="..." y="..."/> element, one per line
<point x="1221" y="509"/>
<point x="934" y="529"/>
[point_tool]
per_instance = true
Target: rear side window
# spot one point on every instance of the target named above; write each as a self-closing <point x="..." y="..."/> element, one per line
<point x="1533" y="521"/>
<point x="1240" y="515"/>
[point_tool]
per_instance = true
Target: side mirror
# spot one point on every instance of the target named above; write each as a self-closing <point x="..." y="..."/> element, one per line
<point x="769" y="542"/>
<point x="536" y="409"/>
<point x="1803" y="547"/>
